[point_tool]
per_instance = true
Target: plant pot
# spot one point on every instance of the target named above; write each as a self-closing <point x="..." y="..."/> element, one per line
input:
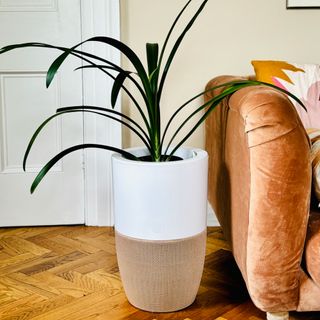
<point x="160" y="222"/>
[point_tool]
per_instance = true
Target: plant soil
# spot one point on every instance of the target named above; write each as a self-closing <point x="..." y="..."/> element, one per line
<point x="149" y="158"/>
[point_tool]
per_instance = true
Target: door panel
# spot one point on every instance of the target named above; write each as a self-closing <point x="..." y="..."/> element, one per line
<point x="25" y="103"/>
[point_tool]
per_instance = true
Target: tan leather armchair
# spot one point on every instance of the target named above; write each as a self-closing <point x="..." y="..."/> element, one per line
<point x="259" y="187"/>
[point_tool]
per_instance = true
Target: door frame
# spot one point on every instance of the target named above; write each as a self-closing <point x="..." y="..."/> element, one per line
<point x="99" y="17"/>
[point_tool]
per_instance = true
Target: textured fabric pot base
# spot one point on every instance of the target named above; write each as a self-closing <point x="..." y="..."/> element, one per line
<point x="161" y="276"/>
<point x="162" y="310"/>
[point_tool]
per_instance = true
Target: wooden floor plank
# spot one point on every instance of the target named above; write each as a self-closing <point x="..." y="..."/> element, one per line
<point x="11" y="288"/>
<point x="16" y="259"/>
<point x="62" y="285"/>
<point x="50" y="244"/>
<point x="93" y="304"/>
<point x="24" y="261"/>
<point x="37" y="310"/>
<point x="100" y="242"/>
<point x="83" y="259"/>
<point x="53" y="263"/>
<point x="110" y="284"/>
<point x="33" y="285"/>
<point x="93" y="232"/>
<point x="20" y="246"/>
<point x="78" y="245"/>
<point x="20" y="304"/>
<point x="26" y="232"/>
<point x="109" y="263"/>
<point x="68" y="273"/>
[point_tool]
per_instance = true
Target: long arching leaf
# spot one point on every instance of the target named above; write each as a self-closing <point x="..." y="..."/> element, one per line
<point x="33" y="138"/>
<point x="134" y="59"/>
<point x="135" y="102"/>
<point x="285" y="92"/>
<point x="105" y="110"/>
<point x="63" y="153"/>
<point x="174" y="115"/>
<point x="117" y="85"/>
<point x="176" y="46"/>
<point x="128" y="52"/>
<point x="81" y="54"/>
<point x="97" y="66"/>
<point x="227" y="84"/>
<point x="76" y="109"/>
<point x="214" y="102"/>
<point x="54" y="67"/>
<point x="220" y="97"/>
<point x="170" y="32"/>
<point x="113" y="66"/>
<point x="146" y="141"/>
<point x="24" y="45"/>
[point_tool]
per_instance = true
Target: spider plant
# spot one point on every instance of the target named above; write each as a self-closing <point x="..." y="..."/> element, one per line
<point x="149" y="81"/>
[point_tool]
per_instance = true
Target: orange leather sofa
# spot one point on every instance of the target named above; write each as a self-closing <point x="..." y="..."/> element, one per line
<point x="259" y="188"/>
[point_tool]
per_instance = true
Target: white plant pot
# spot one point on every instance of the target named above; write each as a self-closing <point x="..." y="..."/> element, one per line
<point x="160" y="221"/>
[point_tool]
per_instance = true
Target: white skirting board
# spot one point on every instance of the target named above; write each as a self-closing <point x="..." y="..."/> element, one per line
<point x="212" y="220"/>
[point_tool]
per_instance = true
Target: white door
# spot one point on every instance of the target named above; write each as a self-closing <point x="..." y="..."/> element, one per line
<point x="25" y="103"/>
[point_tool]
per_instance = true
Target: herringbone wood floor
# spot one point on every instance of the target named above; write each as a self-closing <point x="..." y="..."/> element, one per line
<point x="71" y="273"/>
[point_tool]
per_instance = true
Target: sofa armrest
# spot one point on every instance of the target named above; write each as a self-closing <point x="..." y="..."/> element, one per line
<point x="260" y="190"/>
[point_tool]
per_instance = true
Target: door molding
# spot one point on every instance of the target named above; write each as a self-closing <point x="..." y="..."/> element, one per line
<point x="99" y="17"/>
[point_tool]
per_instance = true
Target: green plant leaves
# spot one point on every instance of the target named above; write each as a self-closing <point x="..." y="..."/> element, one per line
<point x="135" y="102"/>
<point x="230" y="88"/>
<point x="63" y="153"/>
<point x="149" y="83"/>
<point x="117" y="85"/>
<point x="176" y="46"/>
<point x="55" y="66"/>
<point x="152" y="50"/>
<point x="170" y="32"/>
<point x="93" y="110"/>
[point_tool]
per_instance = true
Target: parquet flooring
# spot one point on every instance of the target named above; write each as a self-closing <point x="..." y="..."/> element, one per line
<point x="71" y="273"/>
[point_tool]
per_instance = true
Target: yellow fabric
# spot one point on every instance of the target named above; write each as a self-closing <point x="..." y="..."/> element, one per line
<point x="266" y="70"/>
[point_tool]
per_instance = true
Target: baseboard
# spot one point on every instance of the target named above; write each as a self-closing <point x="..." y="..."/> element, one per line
<point x="212" y="220"/>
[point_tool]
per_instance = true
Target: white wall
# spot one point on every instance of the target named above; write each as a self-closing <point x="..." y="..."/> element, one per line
<point x="225" y="38"/>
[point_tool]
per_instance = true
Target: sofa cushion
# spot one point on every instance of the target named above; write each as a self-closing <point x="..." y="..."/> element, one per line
<point x="303" y="80"/>
<point x="312" y="247"/>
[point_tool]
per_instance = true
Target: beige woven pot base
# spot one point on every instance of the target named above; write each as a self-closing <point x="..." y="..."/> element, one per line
<point x="161" y="276"/>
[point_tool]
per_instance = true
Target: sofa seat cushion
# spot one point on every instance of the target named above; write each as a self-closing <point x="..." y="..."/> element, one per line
<point x="312" y="247"/>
